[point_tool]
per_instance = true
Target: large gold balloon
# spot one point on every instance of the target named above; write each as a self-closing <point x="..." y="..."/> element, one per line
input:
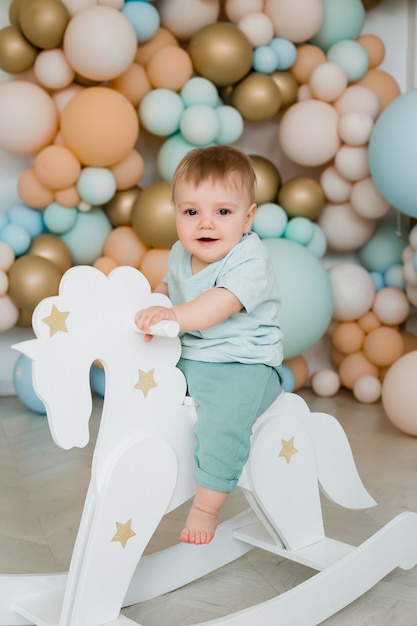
<point x="268" y="179"/>
<point x="288" y="88"/>
<point x="371" y="4"/>
<point x="153" y="218"/>
<point x="14" y="10"/>
<point x="52" y="248"/>
<point x="301" y="196"/>
<point x="43" y="22"/>
<point x="256" y="97"/>
<point x="221" y="53"/>
<point x="16" y="53"/>
<point x="119" y="208"/>
<point x="31" y="279"/>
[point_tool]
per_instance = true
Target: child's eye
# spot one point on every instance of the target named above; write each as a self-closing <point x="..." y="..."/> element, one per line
<point x="190" y="212"/>
<point x="224" y="211"/>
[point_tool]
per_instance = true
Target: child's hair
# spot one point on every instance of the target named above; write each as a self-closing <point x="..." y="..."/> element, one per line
<point x="219" y="163"/>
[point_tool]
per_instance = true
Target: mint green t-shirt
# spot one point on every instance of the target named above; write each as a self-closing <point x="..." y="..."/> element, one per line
<point x="251" y="336"/>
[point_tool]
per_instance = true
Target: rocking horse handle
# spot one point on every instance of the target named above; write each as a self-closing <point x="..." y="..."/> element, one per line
<point x="165" y="328"/>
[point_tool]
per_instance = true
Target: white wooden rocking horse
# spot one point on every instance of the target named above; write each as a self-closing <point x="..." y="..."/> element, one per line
<point x="142" y="469"/>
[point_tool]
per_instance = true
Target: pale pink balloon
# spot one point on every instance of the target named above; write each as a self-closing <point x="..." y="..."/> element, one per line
<point x="358" y="98"/>
<point x="355" y="128"/>
<point x="353" y="291"/>
<point x="28" y="118"/>
<point x="412" y="237"/>
<point x="257" y="27"/>
<point x="75" y="6"/>
<point x="9" y="313"/>
<point x="115" y="4"/>
<point x="328" y="81"/>
<point x="4" y="283"/>
<point x="409" y="272"/>
<point x="297" y="20"/>
<point x="7" y="256"/>
<point x="391" y="306"/>
<point x="335" y="187"/>
<point x="304" y="93"/>
<point x="91" y="39"/>
<point x="352" y="162"/>
<point x="399" y="393"/>
<point x="183" y="18"/>
<point x="367" y="389"/>
<point x="367" y="201"/>
<point x="235" y="9"/>
<point x="308" y="132"/>
<point x="63" y="96"/>
<point x="345" y="230"/>
<point x="53" y="70"/>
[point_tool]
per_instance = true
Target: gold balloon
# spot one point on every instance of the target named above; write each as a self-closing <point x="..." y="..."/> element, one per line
<point x="256" y="97"/>
<point x="43" y="22"/>
<point x="14" y="10"/>
<point x="221" y="53"/>
<point x="301" y="196"/>
<point x="153" y="218"/>
<point x="31" y="279"/>
<point x="16" y="53"/>
<point x="119" y="208"/>
<point x="288" y="88"/>
<point x="25" y="319"/>
<point x="371" y="4"/>
<point x="268" y="179"/>
<point x="52" y="248"/>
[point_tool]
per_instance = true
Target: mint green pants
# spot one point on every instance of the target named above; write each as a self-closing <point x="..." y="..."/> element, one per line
<point x="230" y="397"/>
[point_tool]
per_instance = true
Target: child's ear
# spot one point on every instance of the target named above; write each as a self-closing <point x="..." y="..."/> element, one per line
<point x="250" y="216"/>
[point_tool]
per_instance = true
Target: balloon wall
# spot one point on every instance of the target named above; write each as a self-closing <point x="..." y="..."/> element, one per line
<point x="100" y="99"/>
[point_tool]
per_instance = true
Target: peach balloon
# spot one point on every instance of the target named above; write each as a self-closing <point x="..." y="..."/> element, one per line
<point x="129" y="171"/>
<point x="308" y="58"/>
<point x="28" y="118"/>
<point x="358" y="98"/>
<point x="325" y="383"/>
<point x="352" y="163"/>
<point x="161" y="38"/>
<point x="367" y="201"/>
<point x="105" y="264"/>
<point x="383" y="346"/>
<point x="306" y="143"/>
<point x="124" y="246"/>
<point x="133" y="83"/>
<point x="298" y="20"/>
<point x="367" y="389"/>
<point x="52" y="69"/>
<point x="344" y="229"/>
<point x="399" y="393"/>
<point x="375" y="48"/>
<point x="100" y="126"/>
<point x="68" y="197"/>
<point x="335" y="356"/>
<point x="369" y="322"/>
<point x="183" y="18"/>
<point x="353" y="366"/>
<point x="299" y="367"/>
<point x="328" y="81"/>
<point x="32" y="192"/>
<point x="391" y="306"/>
<point x="382" y="84"/>
<point x="336" y="188"/>
<point x="169" y="68"/>
<point x="92" y="38"/>
<point x="154" y="266"/>
<point x="7" y="256"/>
<point x="348" y="337"/>
<point x="409" y="341"/>
<point x="61" y="97"/>
<point x="57" y="167"/>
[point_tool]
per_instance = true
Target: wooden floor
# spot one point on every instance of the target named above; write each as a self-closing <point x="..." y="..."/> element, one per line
<point x="42" y="490"/>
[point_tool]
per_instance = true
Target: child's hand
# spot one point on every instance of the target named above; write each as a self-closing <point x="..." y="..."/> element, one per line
<point x="146" y="318"/>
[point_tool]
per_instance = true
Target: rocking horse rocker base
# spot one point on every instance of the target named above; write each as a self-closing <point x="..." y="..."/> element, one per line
<point x="142" y="468"/>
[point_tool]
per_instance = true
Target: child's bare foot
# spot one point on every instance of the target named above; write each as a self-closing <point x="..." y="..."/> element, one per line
<point x="202" y="519"/>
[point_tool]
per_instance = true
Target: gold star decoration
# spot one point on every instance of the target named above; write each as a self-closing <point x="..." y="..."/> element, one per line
<point x="288" y="449"/>
<point x="124" y="532"/>
<point x="146" y="381"/>
<point x="56" y="321"/>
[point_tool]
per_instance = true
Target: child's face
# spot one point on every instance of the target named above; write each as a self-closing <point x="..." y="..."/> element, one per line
<point x="211" y="219"/>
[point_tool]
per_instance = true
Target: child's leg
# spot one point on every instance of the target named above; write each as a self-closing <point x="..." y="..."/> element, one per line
<point x="202" y="519"/>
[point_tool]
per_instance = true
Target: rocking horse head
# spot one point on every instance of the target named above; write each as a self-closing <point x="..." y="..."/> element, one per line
<point x="91" y="319"/>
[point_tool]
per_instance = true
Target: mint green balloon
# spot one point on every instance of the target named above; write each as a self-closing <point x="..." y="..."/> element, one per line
<point x="352" y="58"/>
<point x="87" y="237"/>
<point x="343" y="19"/>
<point x="384" y="249"/>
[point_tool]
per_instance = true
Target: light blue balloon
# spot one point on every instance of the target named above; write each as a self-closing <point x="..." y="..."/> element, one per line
<point x="265" y="60"/>
<point x="415" y="262"/>
<point x="318" y="243"/>
<point x="270" y="220"/>
<point x="96" y="185"/>
<point x="199" y="124"/>
<point x="22" y="382"/>
<point x="160" y="112"/>
<point x="300" y="230"/>
<point x="286" y="52"/>
<point x="392" y="153"/>
<point x="352" y="58"/>
<point x="343" y="19"/>
<point x="378" y="280"/>
<point x="87" y="237"/>
<point x="170" y="154"/>
<point x="199" y="90"/>
<point x="17" y="237"/>
<point x="231" y="124"/>
<point x="144" y="19"/>
<point x="383" y="249"/>
<point x="288" y="383"/>
<point x="307" y="295"/>
<point x="3" y="219"/>
<point x="394" y="277"/>
<point x="59" y="219"/>
<point x="30" y="219"/>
